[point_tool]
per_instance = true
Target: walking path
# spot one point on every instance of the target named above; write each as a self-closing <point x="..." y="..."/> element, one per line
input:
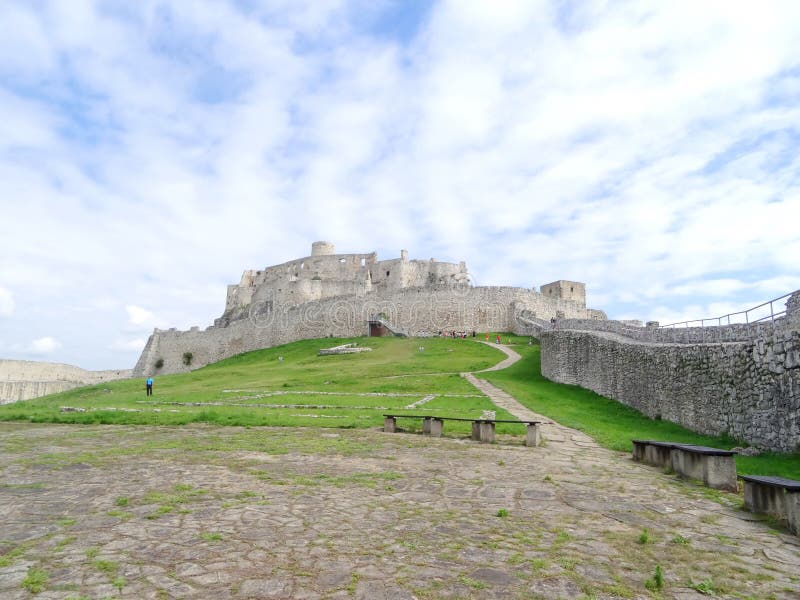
<point x="236" y="513"/>
<point x="498" y="396"/>
<point x="513" y="357"/>
<point x="553" y="432"/>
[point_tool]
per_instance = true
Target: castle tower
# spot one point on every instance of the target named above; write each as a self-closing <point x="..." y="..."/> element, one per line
<point x="566" y="290"/>
<point x="322" y="249"/>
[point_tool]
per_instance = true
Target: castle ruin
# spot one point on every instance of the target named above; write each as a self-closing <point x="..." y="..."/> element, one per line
<point x="326" y="274"/>
<point x="328" y="294"/>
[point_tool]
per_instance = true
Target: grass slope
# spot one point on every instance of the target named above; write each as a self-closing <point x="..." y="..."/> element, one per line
<point x="342" y="391"/>
<point x="612" y="424"/>
<point x="302" y="389"/>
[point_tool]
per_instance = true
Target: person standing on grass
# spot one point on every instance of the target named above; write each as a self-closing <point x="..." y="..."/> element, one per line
<point x="149" y="386"/>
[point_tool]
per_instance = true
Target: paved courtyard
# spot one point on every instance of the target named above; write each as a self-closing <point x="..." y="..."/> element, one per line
<point x="202" y="512"/>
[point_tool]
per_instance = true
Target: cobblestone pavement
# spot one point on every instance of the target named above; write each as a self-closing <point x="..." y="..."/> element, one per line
<point x="204" y="512"/>
<point x="512" y="356"/>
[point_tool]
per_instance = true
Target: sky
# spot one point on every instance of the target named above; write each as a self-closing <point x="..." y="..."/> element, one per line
<point x="151" y="151"/>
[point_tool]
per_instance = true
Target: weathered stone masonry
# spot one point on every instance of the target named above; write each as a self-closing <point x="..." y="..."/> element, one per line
<point x="418" y="311"/>
<point x="25" y="379"/>
<point x="747" y="387"/>
<point x="327" y="294"/>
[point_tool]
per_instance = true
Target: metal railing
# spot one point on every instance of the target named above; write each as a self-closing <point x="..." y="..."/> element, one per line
<point x="750" y="315"/>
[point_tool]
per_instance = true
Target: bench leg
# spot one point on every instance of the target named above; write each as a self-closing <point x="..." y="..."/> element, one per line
<point x="764" y="499"/>
<point x="686" y="464"/>
<point x="487" y="433"/>
<point x="389" y="424"/>
<point x="659" y="456"/>
<point x="426" y="426"/>
<point x="792" y="500"/>
<point x="436" y="427"/>
<point x="533" y="435"/>
<point x="639" y="451"/>
<point x="719" y="472"/>
<point x="476" y="430"/>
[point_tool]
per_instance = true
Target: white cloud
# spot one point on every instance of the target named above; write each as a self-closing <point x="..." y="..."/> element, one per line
<point x="121" y="345"/>
<point x="6" y="303"/>
<point x="653" y="156"/>
<point x="138" y="315"/>
<point x="44" y="345"/>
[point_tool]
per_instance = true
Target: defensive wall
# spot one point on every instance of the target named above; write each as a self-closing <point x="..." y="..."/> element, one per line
<point x="325" y="274"/>
<point x="327" y="294"/>
<point x="25" y="379"/>
<point x="740" y="380"/>
<point x="418" y="311"/>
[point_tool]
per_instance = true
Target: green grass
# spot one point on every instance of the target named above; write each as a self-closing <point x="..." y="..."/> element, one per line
<point x="308" y="390"/>
<point x="303" y="389"/>
<point x="614" y="425"/>
<point x="35" y="580"/>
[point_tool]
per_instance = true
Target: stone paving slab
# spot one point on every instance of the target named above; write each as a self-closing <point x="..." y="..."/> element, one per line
<point x="204" y="512"/>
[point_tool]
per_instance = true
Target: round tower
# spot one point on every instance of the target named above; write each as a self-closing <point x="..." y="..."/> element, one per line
<point x="321" y="249"/>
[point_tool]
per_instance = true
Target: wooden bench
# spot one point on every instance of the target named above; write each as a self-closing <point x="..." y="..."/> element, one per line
<point x="716" y="468"/>
<point x="482" y="429"/>
<point x="775" y="496"/>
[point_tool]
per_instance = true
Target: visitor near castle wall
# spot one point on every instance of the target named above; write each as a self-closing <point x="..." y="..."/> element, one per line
<point x="149" y="386"/>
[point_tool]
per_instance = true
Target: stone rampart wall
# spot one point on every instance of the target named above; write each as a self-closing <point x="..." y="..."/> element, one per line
<point x="685" y="335"/>
<point x="26" y="379"/>
<point x="14" y="391"/>
<point x="418" y="311"/>
<point x="747" y="389"/>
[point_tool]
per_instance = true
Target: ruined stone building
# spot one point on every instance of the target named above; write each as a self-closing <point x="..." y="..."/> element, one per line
<point x="329" y="294"/>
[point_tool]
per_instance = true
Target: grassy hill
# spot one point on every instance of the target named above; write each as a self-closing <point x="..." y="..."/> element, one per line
<point x="290" y="385"/>
<point x="354" y="390"/>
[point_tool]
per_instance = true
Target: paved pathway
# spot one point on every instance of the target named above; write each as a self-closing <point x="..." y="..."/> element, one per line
<point x="512" y="357"/>
<point x="234" y="513"/>
<point x="309" y="514"/>
<point x="498" y="396"/>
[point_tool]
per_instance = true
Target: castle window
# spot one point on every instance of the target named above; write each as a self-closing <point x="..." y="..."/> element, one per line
<point x="341" y="260"/>
<point x="571" y="290"/>
<point x="387" y="273"/>
<point x="302" y="265"/>
<point x="363" y="262"/>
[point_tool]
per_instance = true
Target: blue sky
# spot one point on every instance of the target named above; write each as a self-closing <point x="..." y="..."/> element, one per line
<point x="151" y="151"/>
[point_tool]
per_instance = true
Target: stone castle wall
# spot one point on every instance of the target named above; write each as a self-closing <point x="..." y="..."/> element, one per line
<point x="418" y="311"/>
<point x="25" y="379"/>
<point x="742" y="380"/>
<point x="739" y="332"/>
<point x="325" y="274"/>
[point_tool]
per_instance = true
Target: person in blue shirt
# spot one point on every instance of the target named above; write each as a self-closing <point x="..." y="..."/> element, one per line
<point x="149" y="384"/>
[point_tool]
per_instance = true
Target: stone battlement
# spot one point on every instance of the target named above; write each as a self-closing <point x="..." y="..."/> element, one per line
<point x="328" y="294"/>
<point x="325" y="274"/>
